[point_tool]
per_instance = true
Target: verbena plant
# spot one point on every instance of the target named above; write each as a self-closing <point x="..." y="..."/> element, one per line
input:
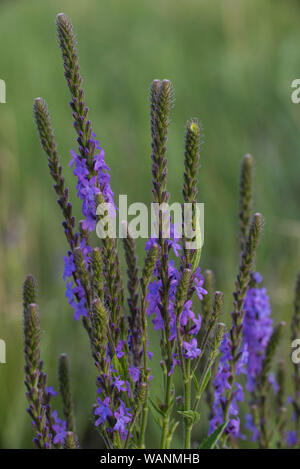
<point x="198" y="355"/>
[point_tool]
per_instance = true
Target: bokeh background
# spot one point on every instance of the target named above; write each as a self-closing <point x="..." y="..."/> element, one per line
<point x="232" y="64"/>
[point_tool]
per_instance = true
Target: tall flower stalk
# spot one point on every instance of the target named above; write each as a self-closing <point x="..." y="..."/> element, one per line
<point x="90" y="168"/>
<point x="228" y="391"/>
<point x="35" y="379"/>
<point x="161" y="96"/>
<point x="46" y="424"/>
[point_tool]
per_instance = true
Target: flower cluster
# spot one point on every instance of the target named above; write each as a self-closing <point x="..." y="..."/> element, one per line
<point x="87" y="189"/>
<point x="257" y="329"/>
<point x="222" y="385"/>
<point x="60" y="429"/>
<point x="75" y="292"/>
<point x="190" y="322"/>
<point x="91" y="181"/>
<point x="121" y="417"/>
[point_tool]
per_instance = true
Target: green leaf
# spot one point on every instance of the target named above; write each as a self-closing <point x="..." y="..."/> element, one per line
<point x="156" y="418"/>
<point x="196" y="384"/>
<point x="190" y="415"/>
<point x="173" y="425"/>
<point x="197" y="257"/>
<point x="205" y="381"/>
<point x="117" y="365"/>
<point x="211" y="441"/>
<point x="156" y="406"/>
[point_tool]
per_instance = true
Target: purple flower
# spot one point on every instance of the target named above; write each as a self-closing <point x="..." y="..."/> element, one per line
<point x="60" y="429"/>
<point x="189" y="322"/>
<point x="86" y="250"/>
<point x="199" y="281"/>
<point x="89" y="223"/>
<point x="149" y="354"/>
<point x="88" y="186"/>
<point x="119" y="383"/>
<point x="192" y="350"/>
<point x="80" y="309"/>
<point x="134" y="373"/>
<point x="188" y="315"/>
<point x="119" y="349"/>
<point x="172" y="241"/>
<point x="123" y="417"/>
<point x="70" y="293"/>
<point x="257" y="331"/>
<point x="103" y="411"/>
<point x="175" y="362"/>
<point x="292" y="438"/>
<point x="222" y="384"/>
<point x="51" y="391"/>
<point x="289" y="400"/>
<point x="233" y="427"/>
<point x="249" y="425"/>
<point x="257" y="277"/>
<point x="69" y="266"/>
<point x="78" y="306"/>
<point x="258" y="328"/>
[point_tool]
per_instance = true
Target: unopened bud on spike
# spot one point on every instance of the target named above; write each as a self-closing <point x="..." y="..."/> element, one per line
<point x="71" y="441"/>
<point x="29" y="291"/>
<point x="245" y="197"/>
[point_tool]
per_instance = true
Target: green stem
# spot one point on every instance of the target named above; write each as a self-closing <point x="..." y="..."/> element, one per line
<point x="187" y="404"/>
<point x="179" y="346"/>
<point x="116" y="441"/>
<point x="203" y="347"/>
<point x="199" y="394"/>
<point x="167" y="348"/>
<point x="263" y="437"/>
<point x="143" y="425"/>
<point x="145" y="405"/>
<point x="166" y="419"/>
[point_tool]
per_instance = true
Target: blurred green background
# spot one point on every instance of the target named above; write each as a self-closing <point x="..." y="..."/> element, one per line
<point x="231" y="63"/>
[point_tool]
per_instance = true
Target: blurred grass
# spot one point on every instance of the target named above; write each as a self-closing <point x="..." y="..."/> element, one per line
<point x="232" y="64"/>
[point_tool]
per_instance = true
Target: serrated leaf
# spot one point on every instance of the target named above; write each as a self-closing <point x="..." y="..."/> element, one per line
<point x="191" y="415"/>
<point x="211" y="441"/>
